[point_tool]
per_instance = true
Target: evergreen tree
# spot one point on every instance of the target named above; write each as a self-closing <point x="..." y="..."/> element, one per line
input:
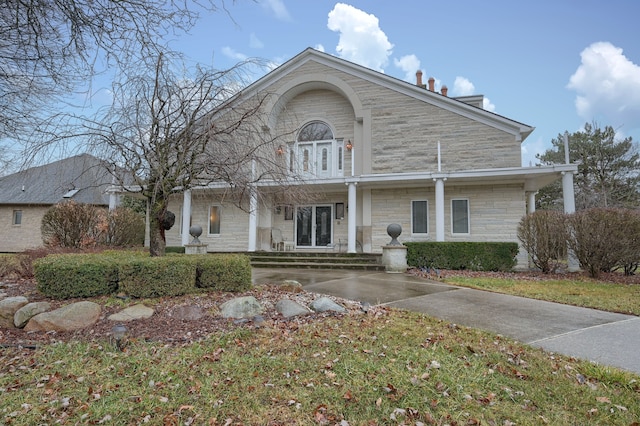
<point x="608" y="169"/>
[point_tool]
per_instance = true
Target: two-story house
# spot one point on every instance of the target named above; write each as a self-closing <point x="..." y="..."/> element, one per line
<point x="376" y="150"/>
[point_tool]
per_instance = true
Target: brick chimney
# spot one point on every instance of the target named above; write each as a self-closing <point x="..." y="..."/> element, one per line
<point x="444" y="90"/>
<point x="419" y="79"/>
<point x="432" y="82"/>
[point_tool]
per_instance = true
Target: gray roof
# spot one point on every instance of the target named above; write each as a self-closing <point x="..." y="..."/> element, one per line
<point x="82" y="178"/>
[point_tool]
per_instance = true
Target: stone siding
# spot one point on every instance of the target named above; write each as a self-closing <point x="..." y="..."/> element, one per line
<point x="16" y="238"/>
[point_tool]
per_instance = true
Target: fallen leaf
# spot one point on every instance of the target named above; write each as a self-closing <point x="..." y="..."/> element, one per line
<point x="603" y="399"/>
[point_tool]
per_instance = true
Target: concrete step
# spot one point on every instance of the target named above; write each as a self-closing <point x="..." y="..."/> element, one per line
<point x="318" y="260"/>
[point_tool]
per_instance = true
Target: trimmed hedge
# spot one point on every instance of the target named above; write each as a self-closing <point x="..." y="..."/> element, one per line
<point x="65" y="276"/>
<point x="223" y="272"/>
<point x="158" y="276"/>
<point x="138" y="275"/>
<point x="475" y="256"/>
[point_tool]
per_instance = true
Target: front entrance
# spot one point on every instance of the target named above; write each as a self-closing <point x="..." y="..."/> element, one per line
<point x="313" y="226"/>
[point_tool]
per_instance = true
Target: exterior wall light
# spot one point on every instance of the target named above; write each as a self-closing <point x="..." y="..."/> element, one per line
<point x="349" y="145"/>
<point x="280" y="150"/>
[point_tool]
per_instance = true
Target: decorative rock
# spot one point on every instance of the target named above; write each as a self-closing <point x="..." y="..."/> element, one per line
<point x="71" y="317"/>
<point x="324" y="304"/>
<point x="241" y="307"/>
<point x="291" y="286"/>
<point x="289" y="308"/>
<point x="2" y="295"/>
<point x="8" y="308"/>
<point x="28" y="311"/>
<point x="188" y="313"/>
<point x="131" y="313"/>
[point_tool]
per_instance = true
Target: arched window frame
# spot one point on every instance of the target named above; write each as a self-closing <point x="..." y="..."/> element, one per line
<point x="321" y="157"/>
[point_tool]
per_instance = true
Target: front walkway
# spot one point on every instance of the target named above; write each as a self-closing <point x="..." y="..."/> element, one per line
<point x="603" y="337"/>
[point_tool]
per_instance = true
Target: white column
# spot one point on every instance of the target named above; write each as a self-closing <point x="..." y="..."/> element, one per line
<point x="253" y="211"/>
<point x="186" y="216"/>
<point x="439" y="209"/>
<point x="568" y="198"/>
<point x="253" y="219"/>
<point x="351" y="218"/>
<point x="113" y="200"/>
<point x="531" y="204"/>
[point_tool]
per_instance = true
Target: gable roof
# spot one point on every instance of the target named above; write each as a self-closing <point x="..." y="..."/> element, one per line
<point x="82" y="178"/>
<point x="459" y="106"/>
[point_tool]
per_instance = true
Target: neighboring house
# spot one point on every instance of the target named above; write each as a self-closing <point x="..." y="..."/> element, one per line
<point x="26" y="196"/>
<point x="380" y="151"/>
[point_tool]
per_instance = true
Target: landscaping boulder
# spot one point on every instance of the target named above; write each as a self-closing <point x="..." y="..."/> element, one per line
<point x="324" y="304"/>
<point x="288" y="308"/>
<point x="71" y="317"/>
<point x="8" y="308"/>
<point x="188" y="313"/>
<point x="28" y="311"/>
<point x="241" y="307"/>
<point x="134" y="312"/>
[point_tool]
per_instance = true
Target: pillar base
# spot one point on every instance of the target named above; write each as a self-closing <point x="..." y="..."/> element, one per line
<point x="195" y="248"/>
<point x="394" y="259"/>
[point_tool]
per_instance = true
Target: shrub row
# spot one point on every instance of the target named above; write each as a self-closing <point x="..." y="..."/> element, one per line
<point x="601" y="239"/>
<point x="475" y="256"/>
<point x="138" y="275"/>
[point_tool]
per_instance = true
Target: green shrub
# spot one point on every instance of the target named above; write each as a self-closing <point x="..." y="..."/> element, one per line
<point x="223" y="272"/>
<point x="475" y="256"/>
<point x="75" y="275"/>
<point x="157" y="276"/>
<point x="174" y="249"/>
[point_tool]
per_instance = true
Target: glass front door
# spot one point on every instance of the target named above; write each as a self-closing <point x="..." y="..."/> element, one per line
<point x="313" y="226"/>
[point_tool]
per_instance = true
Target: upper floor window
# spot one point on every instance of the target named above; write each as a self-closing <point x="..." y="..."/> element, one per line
<point x="317" y="153"/>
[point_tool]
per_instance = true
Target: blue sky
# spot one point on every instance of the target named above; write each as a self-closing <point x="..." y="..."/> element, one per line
<point x="551" y="64"/>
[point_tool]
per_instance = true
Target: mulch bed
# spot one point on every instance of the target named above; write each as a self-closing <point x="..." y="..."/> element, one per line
<point x="164" y="326"/>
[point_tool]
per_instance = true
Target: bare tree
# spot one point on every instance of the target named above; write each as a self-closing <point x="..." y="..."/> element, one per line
<point x="178" y="131"/>
<point x="51" y="49"/>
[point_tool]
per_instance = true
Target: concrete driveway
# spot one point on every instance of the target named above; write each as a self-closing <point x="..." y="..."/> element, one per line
<point x="602" y="337"/>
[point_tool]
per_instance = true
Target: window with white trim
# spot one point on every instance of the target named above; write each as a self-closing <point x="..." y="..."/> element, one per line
<point x="419" y="217"/>
<point x="17" y="217"/>
<point x="460" y="216"/>
<point x="317" y="153"/>
<point x="214" y="220"/>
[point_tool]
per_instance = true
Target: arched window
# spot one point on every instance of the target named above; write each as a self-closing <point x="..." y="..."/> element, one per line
<point x="319" y="152"/>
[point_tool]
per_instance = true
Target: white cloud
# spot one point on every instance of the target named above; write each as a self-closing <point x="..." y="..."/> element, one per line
<point x="319" y="47"/>
<point x="462" y="87"/>
<point x="229" y="52"/>
<point x="488" y="105"/>
<point x="607" y="86"/>
<point x="361" y="39"/>
<point x="278" y="8"/>
<point x="410" y="64"/>
<point x="255" y="42"/>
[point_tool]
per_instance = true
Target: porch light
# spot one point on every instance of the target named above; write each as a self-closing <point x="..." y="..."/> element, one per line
<point x="349" y="145"/>
<point x="119" y="334"/>
<point x="280" y="150"/>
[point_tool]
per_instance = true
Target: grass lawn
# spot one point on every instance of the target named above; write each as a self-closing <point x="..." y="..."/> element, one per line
<point x="385" y="367"/>
<point x="576" y="290"/>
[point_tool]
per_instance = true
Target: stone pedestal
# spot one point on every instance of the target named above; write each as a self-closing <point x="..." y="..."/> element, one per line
<point x="195" y="248"/>
<point x="394" y="258"/>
